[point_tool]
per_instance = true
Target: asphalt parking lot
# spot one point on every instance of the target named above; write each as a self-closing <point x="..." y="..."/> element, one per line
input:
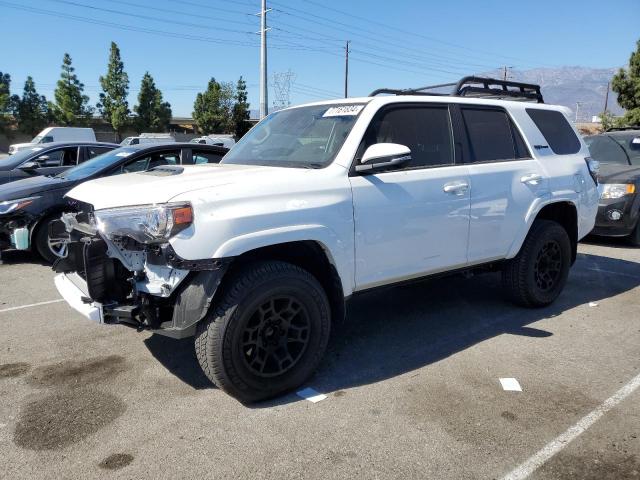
<point x="412" y="384"/>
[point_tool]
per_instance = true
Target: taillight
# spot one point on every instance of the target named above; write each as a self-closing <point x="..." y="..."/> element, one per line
<point x="594" y="168"/>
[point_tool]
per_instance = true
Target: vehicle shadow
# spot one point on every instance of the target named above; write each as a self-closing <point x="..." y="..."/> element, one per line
<point x="15" y="257"/>
<point x="179" y="358"/>
<point x="397" y="330"/>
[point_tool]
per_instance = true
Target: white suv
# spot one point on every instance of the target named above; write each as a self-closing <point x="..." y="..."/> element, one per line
<point x="257" y="256"/>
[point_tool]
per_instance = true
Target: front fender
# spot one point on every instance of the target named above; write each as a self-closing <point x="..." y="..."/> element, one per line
<point x="337" y="251"/>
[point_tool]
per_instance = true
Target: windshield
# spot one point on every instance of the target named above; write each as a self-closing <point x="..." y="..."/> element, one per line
<point x="630" y="142"/>
<point x="96" y="164"/>
<point x="42" y="139"/>
<point x="305" y="137"/>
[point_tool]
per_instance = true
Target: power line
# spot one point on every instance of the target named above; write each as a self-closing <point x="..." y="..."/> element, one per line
<point x="406" y="32"/>
<point x="184" y="14"/>
<point x="147" y="17"/>
<point x="337" y="25"/>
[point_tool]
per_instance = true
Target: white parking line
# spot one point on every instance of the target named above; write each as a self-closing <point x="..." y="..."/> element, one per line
<point x="31" y="305"/>
<point x="611" y="272"/>
<point x="555" y="446"/>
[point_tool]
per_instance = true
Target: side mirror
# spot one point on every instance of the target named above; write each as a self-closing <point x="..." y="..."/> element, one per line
<point x="29" y="166"/>
<point x="383" y="156"/>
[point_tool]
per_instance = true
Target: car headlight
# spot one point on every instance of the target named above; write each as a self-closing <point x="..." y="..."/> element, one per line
<point x="17" y="204"/>
<point x="145" y="224"/>
<point x="617" y="190"/>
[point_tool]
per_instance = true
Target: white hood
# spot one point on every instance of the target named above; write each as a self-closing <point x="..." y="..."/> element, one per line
<point x="146" y="188"/>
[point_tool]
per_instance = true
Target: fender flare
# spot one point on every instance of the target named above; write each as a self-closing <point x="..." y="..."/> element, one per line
<point x="532" y="214"/>
<point x="337" y="251"/>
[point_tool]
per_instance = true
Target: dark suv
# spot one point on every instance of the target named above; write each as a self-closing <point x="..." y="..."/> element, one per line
<point x="618" y="152"/>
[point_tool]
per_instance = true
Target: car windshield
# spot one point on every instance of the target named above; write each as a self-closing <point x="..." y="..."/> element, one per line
<point x="304" y="137"/>
<point x="96" y="164"/>
<point x="630" y="142"/>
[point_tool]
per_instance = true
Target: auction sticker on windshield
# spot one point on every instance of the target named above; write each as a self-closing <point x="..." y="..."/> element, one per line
<point x="343" y="111"/>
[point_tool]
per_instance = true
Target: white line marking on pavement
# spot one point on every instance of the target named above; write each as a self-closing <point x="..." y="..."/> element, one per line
<point x="611" y="272"/>
<point x="312" y="395"/>
<point x="31" y="305"/>
<point x="510" y="385"/>
<point x="550" y="449"/>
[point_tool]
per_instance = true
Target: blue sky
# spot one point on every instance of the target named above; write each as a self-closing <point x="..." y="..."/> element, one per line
<point x="404" y="43"/>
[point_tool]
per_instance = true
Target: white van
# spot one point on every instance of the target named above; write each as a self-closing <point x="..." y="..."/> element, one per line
<point x="57" y="134"/>
<point x="149" y="138"/>
<point x="226" y="141"/>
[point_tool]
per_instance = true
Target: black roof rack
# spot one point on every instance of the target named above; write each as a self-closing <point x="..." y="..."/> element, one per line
<point x="479" y="87"/>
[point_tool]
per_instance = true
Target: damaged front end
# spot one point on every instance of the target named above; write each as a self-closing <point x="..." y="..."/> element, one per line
<point x="117" y="276"/>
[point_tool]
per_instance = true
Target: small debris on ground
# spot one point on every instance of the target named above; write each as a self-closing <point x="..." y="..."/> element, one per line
<point x="510" y="385"/>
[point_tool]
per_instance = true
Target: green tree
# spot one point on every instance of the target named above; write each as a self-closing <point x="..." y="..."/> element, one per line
<point x="213" y="108"/>
<point x="607" y="120"/>
<point x="32" y="110"/>
<point x="113" y="105"/>
<point x="5" y="101"/>
<point x="626" y="83"/>
<point x="241" y="123"/>
<point x="154" y="115"/>
<point x="72" y="106"/>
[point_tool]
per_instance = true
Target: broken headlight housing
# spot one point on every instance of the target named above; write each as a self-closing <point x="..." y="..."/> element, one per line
<point x="145" y="224"/>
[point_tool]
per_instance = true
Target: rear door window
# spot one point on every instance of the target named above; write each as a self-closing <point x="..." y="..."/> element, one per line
<point x="556" y="130"/>
<point x="95" y="151"/>
<point x="200" y="157"/>
<point x="153" y="160"/>
<point x="492" y="136"/>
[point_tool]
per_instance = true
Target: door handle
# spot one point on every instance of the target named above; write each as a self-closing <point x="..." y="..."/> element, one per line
<point x="456" y="188"/>
<point x="531" y="179"/>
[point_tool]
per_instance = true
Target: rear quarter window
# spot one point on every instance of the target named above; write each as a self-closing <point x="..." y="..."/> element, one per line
<point x="556" y="130"/>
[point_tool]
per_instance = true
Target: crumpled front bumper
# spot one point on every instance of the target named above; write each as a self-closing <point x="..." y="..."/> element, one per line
<point x="73" y="289"/>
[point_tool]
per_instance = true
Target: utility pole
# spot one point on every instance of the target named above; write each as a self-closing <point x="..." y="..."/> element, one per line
<point x="505" y="73"/>
<point x="606" y="97"/>
<point x="264" y="94"/>
<point x="577" y="110"/>
<point x="346" y="70"/>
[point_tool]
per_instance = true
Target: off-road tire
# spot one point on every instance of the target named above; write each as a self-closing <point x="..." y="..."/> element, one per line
<point x="219" y="336"/>
<point x="519" y="276"/>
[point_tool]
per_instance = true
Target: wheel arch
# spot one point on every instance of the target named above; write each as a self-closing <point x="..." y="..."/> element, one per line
<point x="310" y="255"/>
<point x="563" y="212"/>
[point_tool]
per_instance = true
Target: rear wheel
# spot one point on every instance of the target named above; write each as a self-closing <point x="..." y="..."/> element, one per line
<point x="49" y="249"/>
<point x="267" y="333"/>
<point x="537" y="275"/>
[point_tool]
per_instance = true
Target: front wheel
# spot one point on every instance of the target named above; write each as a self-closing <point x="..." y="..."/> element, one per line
<point x="537" y="275"/>
<point x="268" y="332"/>
<point x="49" y="249"/>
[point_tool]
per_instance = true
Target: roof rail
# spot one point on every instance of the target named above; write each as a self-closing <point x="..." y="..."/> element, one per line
<point x="472" y="86"/>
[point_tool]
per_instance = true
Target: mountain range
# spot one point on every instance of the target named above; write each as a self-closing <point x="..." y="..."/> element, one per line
<point x="570" y="86"/>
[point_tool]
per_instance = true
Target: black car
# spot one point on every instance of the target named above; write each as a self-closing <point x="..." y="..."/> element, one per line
<point x="618" y="152"/>
<point x="49" y="159"/>
<point x="28" y="206"/>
